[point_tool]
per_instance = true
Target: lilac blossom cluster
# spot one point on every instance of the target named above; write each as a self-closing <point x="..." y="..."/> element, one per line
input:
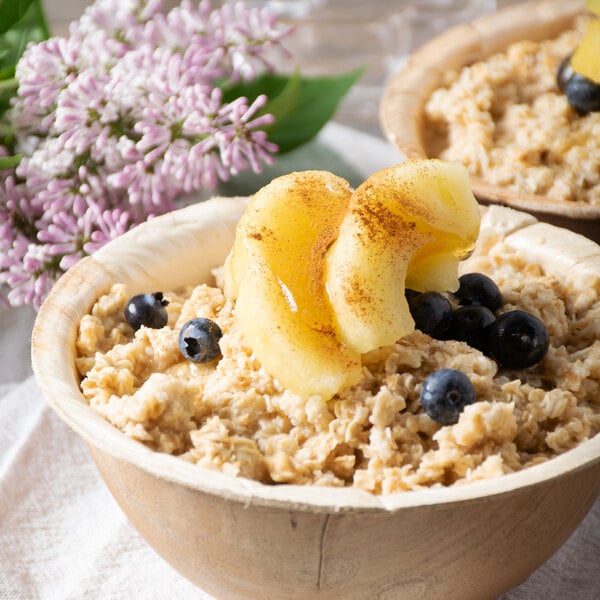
<point x="120" y="119"/>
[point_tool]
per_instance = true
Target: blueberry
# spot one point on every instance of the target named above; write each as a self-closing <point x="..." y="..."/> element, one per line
<point x="445" y="393"/>
<point x="518" y="340"/>
<point x="411" y="294"/>
<point x="470" y="324"/>
<point x="477" y="288"/>
<point x="564" y="73"/>
<point x="199" y="340"/>
<point x="432" y="313"/>
<point x="148" y="310"/>
<point x="583" y="94"/>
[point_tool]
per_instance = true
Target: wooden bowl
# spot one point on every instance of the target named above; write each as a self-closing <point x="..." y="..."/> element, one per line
<point x="240" y="539"/>
<point x="407" y="92"/>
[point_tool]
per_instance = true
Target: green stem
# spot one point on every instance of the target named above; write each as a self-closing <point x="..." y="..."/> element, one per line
<point x="42" y="19"/>
<point x="9" y="85"/>
<point x="10" y="162"/>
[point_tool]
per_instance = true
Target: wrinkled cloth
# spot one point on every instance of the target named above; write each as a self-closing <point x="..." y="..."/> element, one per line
<point x="63" y="536"/>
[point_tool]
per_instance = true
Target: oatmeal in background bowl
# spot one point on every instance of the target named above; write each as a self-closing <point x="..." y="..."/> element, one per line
<point x="486" y="94"/>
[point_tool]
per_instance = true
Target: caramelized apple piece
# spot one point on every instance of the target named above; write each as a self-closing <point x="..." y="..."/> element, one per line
<point x="318" y="273"/>
<point x="276" y="273"/>
<point x="409" y="224"/>
<point x="586" y="58"/>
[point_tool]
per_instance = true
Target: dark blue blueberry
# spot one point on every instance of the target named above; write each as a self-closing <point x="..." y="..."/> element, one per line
<point x="583" y="94"/>
<point x="564" y="74"/>
<point x="148" y="310"/>
<point x="199" y="340"/>
<point x="411" y="294"/>
<point x="445" y="393"/>
<point x="477" y="288"/>
<point x="470" y="324"/>
<point x="432" y="313"/>
<point x="517" y="340"/>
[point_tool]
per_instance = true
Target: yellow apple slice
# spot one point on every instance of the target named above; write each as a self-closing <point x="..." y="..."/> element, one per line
<point x="586" y="58"/>
<point x="409" y="223"/>
<point x="593" y="5"/>
<point x="275" y="272"/>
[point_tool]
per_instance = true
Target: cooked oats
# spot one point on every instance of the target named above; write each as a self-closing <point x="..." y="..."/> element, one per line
<point x="232" y="416"/>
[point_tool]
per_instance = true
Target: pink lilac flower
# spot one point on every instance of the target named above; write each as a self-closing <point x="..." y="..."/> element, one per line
<point x="109" y="225"/>
<point x="30" y="273"/>
<point x="49" y="160"/>
<point x="43" y="71"/>
<point x="111" y="28"/>
<point x="71" y="235"/>
<point x="77" y="112"/>
<point x="119" y="120"/>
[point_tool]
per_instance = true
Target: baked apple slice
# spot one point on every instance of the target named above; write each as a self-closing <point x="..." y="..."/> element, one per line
<point x="275" y="273"/>
<point x="407" y="226"/>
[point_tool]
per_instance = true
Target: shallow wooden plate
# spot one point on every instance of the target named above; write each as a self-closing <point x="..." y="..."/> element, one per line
<point x="403" y="100"/>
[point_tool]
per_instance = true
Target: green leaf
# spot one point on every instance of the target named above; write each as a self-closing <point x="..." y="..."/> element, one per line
<point x="8" y="88"/>
<point x="283" y="101"/>
<point x="269" y="84"/>
<point x="21" y="22"/>
<point x="31" y="27"/>
<point x="317" y="103"/>
<point x="301" y="105"/>
<point x="7" y="73"/>
<point x="11" y="12"/>
<point x="9" y="162"/>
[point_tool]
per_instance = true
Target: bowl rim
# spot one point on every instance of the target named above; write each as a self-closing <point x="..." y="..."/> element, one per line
<point x="53" y="338"/>
<point x="406" y="91"/>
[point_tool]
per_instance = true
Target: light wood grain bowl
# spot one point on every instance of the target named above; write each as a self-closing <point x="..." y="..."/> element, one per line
<point x="240" y="539"/>
<point x="408" y="90"/>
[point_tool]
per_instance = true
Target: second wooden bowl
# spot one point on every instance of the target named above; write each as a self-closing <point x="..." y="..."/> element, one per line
<point x="407" y="92"/>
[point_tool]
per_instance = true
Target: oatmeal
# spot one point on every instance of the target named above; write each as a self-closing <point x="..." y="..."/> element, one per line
<point x="507" y="121"/>
<point x="231" y="415"/>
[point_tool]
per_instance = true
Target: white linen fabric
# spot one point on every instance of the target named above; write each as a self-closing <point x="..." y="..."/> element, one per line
<point x="63" y="536"/>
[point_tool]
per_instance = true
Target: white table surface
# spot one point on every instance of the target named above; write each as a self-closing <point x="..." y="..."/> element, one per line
<point x="62" y="535"/>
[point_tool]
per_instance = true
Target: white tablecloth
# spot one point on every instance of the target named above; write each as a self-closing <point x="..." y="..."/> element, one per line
<point x="62" y="535"/>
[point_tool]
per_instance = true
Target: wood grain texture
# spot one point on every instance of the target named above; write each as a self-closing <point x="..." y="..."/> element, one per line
<point x="403" y="100"/>
<point x="239" y="539"/>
